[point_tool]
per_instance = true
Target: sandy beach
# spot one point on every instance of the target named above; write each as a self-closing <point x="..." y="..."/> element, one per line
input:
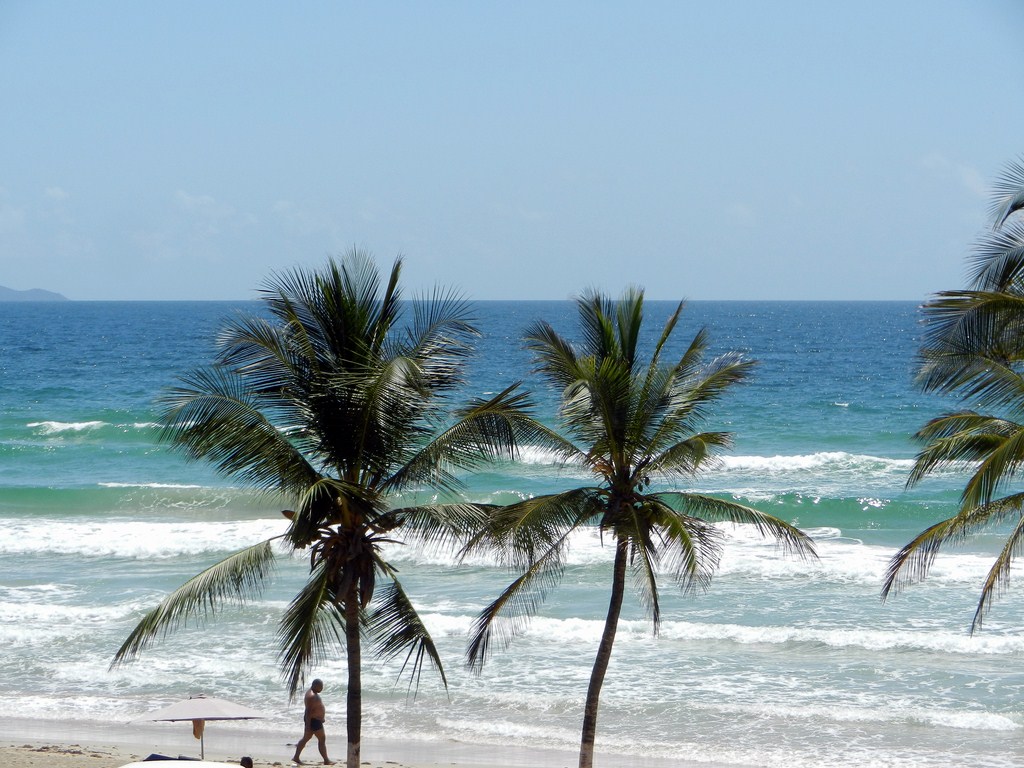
<point x="79" y="756"/>
<point x="80" y="744"/>
<point x="74" y="755"/>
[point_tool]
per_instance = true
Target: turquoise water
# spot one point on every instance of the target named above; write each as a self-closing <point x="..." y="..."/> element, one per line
<point x="781" y="663"/>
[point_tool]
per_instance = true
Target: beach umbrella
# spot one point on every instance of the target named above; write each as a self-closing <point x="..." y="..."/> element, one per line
<point x="199" y="709"/>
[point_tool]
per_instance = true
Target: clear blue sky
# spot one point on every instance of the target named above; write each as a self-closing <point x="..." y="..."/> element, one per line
<point x="715" y="150"/>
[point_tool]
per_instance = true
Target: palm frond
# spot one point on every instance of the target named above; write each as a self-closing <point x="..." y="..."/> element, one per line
<point x="440" y="338"/>
<point x="233" y="580"/>
<point x="330" y="501"/>
<point x="517" y="534"/>
<point x="388" y="409"/>
<point x="443" y="525"/>
<point x="1008" y="193"/>
<point x="666" y="334"/>
<point x="992" y="446"/>
<point x="997" y="263"/>
<point x="387" y="309"/>
<point x="694" y="395"/>
<point x="972" y="319"/>
<point x="595" y="314"/>
<point x="553" y="356"/>
<point x="996" y="470"/>
<point x="973" y="347"/>
<point x="213" y="417"/>
<point x="263" y="354"/>
<point x="913" y="561"/>
<point x="300" y="307"/>
<point x="397" y="628"/>
<point x="508" y="615"/>
<point x="691" y="546"/>
<point x="311" y="629"/>
<point x="689" y="456"/>
<point x="792" y="540"/>
<point x="998" y="578"/>
<point x="486" y="430"/>
<point x="957" y="440"/>
<point x="629" y="320"/>
<point x="644" y="555"/>
<point x="973" y="343"/>
<point x="650" y="403"/>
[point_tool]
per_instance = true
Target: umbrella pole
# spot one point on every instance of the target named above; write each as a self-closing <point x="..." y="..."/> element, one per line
<point x="202" y="747"/>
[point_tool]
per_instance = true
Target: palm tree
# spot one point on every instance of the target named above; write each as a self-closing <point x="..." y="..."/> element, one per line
<point x="337" y="403"/>
<point x="628" y="420"/>
<point x="973" y="347"/>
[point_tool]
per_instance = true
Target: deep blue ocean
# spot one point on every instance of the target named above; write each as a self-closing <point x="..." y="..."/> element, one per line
<point x="780" y="663"/>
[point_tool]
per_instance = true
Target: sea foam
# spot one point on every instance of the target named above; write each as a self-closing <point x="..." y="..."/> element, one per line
<point x="133" y="538"/>
<point x="56" y="427"/>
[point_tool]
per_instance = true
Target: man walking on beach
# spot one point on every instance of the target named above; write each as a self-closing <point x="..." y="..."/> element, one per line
<point x="313" y="720"/>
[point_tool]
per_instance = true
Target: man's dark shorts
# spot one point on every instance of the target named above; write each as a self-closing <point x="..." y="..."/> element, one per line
<point x="315" y="725"/>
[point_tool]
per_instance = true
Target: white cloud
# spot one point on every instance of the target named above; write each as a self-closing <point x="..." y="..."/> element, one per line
<point x="967" y="175"/>
<point x="974" y="181"/>
<point x="203" y="205"/>
<point x="210" y="216"/>
<point x="742" y="215"/>
<point x="56" y="193"/>
<point x="300" y="220"/>
<point x="12" y="218"/>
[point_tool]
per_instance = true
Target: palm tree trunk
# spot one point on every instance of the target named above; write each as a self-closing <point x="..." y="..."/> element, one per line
<point x="604" y="655"/>
<point x="354" y="710"/>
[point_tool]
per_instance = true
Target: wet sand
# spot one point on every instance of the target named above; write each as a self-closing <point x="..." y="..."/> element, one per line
<point x="88" y="744"/>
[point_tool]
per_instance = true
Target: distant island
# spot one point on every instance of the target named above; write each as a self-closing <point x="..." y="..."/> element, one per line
<point x="33" y="294"/>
